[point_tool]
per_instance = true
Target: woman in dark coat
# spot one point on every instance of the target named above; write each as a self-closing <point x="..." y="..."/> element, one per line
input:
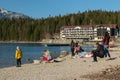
<point x="72" y="45"/>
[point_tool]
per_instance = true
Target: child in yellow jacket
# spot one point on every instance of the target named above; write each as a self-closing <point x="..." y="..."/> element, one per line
<point x="18" y="56"/>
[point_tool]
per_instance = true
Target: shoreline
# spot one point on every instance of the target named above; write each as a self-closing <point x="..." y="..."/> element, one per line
<point x="40" y="43"/>
<point x="20" y="42"/>
<point x="51" y="42"/>
<point x="70" y="69"/>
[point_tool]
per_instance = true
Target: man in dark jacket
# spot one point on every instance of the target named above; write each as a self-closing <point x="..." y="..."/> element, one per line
<point x="98" y="52"/>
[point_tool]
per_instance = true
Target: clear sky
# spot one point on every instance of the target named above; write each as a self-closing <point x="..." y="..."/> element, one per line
<point x="44" y="8"/>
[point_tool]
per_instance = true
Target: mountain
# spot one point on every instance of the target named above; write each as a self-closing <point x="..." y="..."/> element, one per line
<point x="9" y="14"/>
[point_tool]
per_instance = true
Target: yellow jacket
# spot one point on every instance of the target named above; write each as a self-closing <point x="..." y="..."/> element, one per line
<point x="18" y="54"/>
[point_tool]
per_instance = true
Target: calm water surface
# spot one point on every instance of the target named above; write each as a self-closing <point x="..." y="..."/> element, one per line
<point x="30" y="51"/>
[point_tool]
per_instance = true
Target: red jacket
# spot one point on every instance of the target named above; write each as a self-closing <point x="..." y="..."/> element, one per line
<point x="106" y="41"/>
<point x="45" y="58"/>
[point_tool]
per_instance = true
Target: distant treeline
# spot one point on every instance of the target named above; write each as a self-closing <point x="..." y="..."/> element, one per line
<point x="38" y="29"/>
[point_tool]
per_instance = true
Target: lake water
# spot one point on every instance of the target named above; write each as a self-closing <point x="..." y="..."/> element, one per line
<point x="30" y="51"/>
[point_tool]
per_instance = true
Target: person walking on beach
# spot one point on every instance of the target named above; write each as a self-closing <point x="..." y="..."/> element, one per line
<point x="18" y="56"/>
<point x="105" y="42"/>
<point x="98" y="52"/>
<point x="72" y="45"/>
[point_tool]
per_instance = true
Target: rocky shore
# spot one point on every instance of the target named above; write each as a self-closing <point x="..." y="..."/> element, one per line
<point x="68" y="69"/>
<point x="112" y="73"/>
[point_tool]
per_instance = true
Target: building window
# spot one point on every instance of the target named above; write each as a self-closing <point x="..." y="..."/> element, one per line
<point x="101" y="31"/>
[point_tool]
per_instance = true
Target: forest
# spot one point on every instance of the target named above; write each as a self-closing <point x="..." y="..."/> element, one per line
<point x="29" y="29"/>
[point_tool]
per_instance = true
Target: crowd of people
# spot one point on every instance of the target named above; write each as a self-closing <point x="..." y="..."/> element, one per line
<point x="100" y="51"/>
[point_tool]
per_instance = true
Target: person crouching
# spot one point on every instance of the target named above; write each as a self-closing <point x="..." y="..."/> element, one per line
<point x="98" y="52"/>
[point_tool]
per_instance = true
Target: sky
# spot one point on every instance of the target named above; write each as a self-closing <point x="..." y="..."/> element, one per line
<point x="46" y="8"/>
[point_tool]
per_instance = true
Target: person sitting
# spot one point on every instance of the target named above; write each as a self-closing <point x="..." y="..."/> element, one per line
<point x="98" y="52"/>
<point x="78" y="49"/>
<point x="47" y="57"/>
<point x="81" y="49"/>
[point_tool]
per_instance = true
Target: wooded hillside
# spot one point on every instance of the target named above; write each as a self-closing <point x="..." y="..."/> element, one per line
<point x="36" y="29"/>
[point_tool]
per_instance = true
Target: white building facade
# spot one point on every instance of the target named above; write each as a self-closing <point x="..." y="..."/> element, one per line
<point x="95" y="32"/>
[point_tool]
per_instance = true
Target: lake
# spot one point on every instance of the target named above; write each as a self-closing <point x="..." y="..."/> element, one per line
<point x="30" y="51"/>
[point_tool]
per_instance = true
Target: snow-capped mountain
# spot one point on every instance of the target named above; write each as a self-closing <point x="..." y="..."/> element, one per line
<point x="9" y="14"/>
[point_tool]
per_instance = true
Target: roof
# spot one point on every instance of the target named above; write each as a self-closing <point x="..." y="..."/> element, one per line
<point x="88" y="26"/>
<point x="83" y="26"/>
<point x="107" y="25"/>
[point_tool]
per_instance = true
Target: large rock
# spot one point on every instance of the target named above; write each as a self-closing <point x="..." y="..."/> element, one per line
<point x="36" y="61"/>
<point x="63" y="54"/>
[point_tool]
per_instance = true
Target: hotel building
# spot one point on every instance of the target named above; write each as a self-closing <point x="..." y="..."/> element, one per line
<point x="88" y="32"/>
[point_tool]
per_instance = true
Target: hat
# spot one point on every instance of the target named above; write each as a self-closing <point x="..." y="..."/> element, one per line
<point x="17" y="48"/>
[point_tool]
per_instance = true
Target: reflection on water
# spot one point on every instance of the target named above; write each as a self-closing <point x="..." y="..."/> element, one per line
<point x="30" y="52"/>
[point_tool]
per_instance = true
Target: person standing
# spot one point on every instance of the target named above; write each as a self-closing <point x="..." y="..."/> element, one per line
<point x="72" y="45"/>
<point x="18" y="56"/>
<point x="105" y="42"/>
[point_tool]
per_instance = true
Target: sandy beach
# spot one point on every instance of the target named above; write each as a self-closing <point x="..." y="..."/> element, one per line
<point x="71" y="69"/>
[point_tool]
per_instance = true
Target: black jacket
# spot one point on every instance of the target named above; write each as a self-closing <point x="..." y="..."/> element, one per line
<point x="100" y="50"/>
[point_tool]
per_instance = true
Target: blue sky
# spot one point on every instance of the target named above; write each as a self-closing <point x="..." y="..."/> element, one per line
<point x="44" y="8"/>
